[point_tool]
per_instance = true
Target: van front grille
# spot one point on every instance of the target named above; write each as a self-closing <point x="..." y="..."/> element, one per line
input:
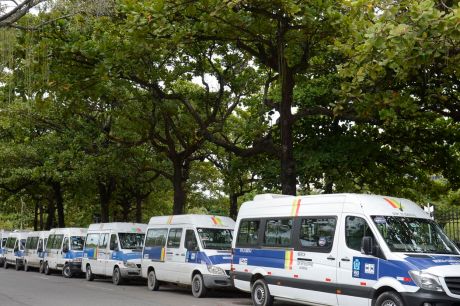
<point x="453" y="283"/>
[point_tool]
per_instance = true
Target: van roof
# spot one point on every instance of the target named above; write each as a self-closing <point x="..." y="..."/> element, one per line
<point x="40" y="234"/>
<point x="367" y="204"/>
<point x="18" y="234"/>
<point x="197" y="220"/>
<point x="77" y="231"/>
<point x="119" y="227"/>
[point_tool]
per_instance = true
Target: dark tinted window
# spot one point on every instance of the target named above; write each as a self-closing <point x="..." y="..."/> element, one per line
<point x="57" y="242"/>
<point x="190" y="239"/>
<point x="317" y="233"/>
<point x="355" y="229"/>
<point x="248" y="233"/>
<point x="49" y="243"/>
<point x="278" y="232"/>
<point x="174" y="237"/>
<point x="10" y="242"/>
<point x="113" y="242"/>
<point x="156" y="237"/>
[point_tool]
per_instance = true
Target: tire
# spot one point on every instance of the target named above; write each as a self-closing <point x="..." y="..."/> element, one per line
<point x="26" y="266"/>
<point x="198" y="288"/>
<point x="40" y="269"/>
<point x="5" y="264"/>
<point x="389" y="298"/>
<point x="16" y="266"/>
<point x="66" y="271"/>
<point x="152" y="282"/>
<point x="117" y="280"/>
<point x="260" y="294"/>
<point x="46" y="269"/>
<point x="89" y="274"/>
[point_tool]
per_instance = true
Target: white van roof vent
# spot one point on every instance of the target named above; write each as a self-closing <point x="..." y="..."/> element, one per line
<point x="270" y="196"/>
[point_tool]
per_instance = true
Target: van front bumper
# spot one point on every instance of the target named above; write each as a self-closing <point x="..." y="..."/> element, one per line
<point x="433" y="298"/>
<point x="75" y="267"/>
<point x="130" y="272"/>
<point x="217" y="281"/>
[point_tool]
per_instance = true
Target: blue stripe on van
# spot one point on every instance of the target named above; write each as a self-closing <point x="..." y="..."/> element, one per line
<point x="260" y="257"/>
<point x="72" y="254"/>
<point x="432" y="261"/>
<point x="203" y="258"/>
<point x="121" y="256"/>
<point x="374" y="268"/>
<point x="153" y="253"/>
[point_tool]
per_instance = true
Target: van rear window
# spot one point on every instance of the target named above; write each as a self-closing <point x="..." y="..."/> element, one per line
<point x="248" y="233"/>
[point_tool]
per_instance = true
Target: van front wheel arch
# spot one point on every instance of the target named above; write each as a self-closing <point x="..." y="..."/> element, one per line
<point x="89" y="273"/>
<point x="199" y="290"/>
<point x="117" y="279"/>
<point x="66" y="271"/>
<point x="389" y="298"/>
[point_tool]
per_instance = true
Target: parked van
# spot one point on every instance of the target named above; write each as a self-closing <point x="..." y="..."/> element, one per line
<point x="35" y="250"/>
<point x="115" y="250"/>
<point x="14" y="250"/>
<point x="3" y="238"/>
<point x="64" y="251"/>
<point x="343" y="249"/>
<point x="188" y="249"/>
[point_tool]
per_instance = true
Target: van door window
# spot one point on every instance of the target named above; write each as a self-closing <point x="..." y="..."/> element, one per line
<point x="103" y="241"/>
<point x="317" y="233"/>
<point x="355" y="229"/>
<point x="66" y="243"/>
<point x="50" y="241"/>
<point x="113" y="242"/>
<point x="40" y="244"/>
<point x="156" y="237"/>
<point x="248" y="233"/>
<point x="57" y="243"/>
<point x="278" y="232"/>
<point x="92" y="241"/>
<point x="190" y="243"/>
<point x="174" y="237"/>
<point x="4" y="242"/>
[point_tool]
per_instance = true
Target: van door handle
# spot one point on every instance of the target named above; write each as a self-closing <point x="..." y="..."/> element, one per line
<point x="305" y="259"/>
<point x="183" y="254"/>
<point x="170" y="253"/>
<point x="345" y="259"/>
<point x="331" y="258"/>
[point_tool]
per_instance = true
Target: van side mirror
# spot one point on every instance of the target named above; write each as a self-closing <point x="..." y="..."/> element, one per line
<point x="40" y="249"/>
<point x="367" y="245"/>
<point x="114" y="247"/>
<point x="65" y="248"/>
<point x="191" y="246"/>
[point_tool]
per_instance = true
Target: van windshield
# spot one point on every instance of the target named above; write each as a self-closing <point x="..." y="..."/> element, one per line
<point x="414" y="235"/>
<point x="76" y="243"/>
<point x="215" y="238"/>
<point x="131" y="241"/>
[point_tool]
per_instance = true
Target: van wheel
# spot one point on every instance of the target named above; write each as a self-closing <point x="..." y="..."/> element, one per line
<point x="116" y="277"/>
<point x="89" y="274"/>
<point x="16" y="267"/>
<point x="26" y="266"/>
<point x="198" y="288"/>
<point x="5" y="264"/>
<point x="261" y="294"/>
<point x="66" y="272"/>
<point x="389" y="298"/>
<point x="152" y="281"/>
<point x="40" y="268"/>
<point x="46" y="269"/>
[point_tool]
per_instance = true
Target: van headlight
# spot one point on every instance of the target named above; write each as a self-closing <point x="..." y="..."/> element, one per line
<point x="129" y="264"/>
<point x="216" y="270"/>
<point x="426" y="281"/>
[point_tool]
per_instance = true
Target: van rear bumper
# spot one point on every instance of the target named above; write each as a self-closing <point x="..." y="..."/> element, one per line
<point x="217" y="281"/>
<point x="425" y="296"/>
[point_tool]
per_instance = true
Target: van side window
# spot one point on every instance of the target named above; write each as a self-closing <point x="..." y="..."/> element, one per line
<point x="57" y="243"/>
<point x="49" y="243"/>
<point x="190" y="239"/>
<point x="4" y="242"/>
<point x="40" y="244"/>
<point x="278" y="232"/>
<point x="103" y="241"/>
<point x="174" y="237"/>
<point x="355" y="229"/>
<point x="92" y="241"/>
<point x="248" y="233"/>
<point x="156" y="237"/>
<point x="29" y="243"/>
<point x="113" y="242"/>
<point x="317" y="233"/>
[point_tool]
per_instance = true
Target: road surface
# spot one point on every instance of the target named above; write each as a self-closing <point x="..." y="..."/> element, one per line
<point x="19" y="288"/>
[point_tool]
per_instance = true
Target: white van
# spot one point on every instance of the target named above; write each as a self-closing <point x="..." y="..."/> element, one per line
<point x="64" y="251"/>
<point x="113" y="249"/>
<point x="35" y="250"/>
<point x="3" y="238"/>
<point x="343" y="249"/>
<point x="14" y="250"/>
<point x="188" y="249"/>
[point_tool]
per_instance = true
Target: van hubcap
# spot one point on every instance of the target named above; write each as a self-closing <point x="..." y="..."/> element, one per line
<point x="196" y="284"/>
<point x="388" y="303"/>
<point x="151" y="280"/>
<point x="259" y="295"/>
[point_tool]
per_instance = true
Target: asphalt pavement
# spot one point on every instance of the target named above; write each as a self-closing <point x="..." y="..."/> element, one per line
<point x="19" y="288"/>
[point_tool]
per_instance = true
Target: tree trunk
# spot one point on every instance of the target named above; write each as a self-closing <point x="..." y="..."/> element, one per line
<point x="59" y="203"/>
<point x="181" y="171"/>
<point x="50" y="218"/>
<point x="233" y="206"/>
<point x="41" y="216"/>
<point x="36" y="216"/>
<point x="138" y="209"/>
<point x="105" y="195"/>
<point x="288" y="174"/>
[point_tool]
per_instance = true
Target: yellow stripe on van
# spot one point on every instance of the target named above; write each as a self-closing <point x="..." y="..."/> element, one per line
<point x="288" y="258"/>
<point x="295" y="207"/>
<point x="162" y="257"/>
<point x="169" y="219"/>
